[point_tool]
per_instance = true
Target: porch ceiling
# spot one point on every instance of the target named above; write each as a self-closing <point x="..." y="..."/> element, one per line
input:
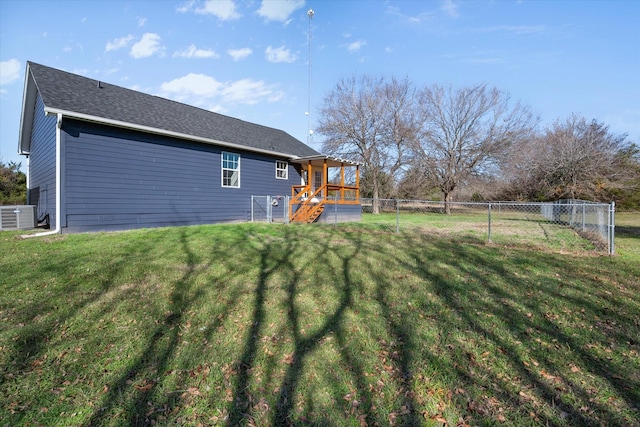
<point x="332" y="162"/>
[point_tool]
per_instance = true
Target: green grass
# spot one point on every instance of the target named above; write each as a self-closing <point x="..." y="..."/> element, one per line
<point x="349" y="325"/>
<point x="523" y="228"/>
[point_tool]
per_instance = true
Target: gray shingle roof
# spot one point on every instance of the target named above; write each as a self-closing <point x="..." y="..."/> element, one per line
<point x="72" y="93"/>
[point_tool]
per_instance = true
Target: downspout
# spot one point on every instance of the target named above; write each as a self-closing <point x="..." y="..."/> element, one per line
<point x="28" y="183"/>
<point x="58" y="184"/>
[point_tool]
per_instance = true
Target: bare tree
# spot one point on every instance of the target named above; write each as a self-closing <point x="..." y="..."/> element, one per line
<point x="465" y="132"/>
<point x="576" y="158"/>
<point x="372" y="121"/>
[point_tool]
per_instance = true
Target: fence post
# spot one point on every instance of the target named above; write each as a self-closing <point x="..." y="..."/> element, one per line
<point x="252" y="208"/>
<point x="335" y="210"/>
<point x="286" y="209"/>
<point x="489" y="233"/>
<point x="397" y="216"/>
<point x="612" y="228"/>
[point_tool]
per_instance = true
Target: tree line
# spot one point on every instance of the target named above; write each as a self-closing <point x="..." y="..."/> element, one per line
<point x="471" y="144"/>
<point x="13" y="184"/>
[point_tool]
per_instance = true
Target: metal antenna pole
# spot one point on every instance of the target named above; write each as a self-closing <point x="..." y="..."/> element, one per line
<point x="310" y="14"/>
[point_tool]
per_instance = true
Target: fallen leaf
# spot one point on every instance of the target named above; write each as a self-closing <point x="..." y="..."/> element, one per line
<point x="288" y="359"/>
<point x="145" y="386"/>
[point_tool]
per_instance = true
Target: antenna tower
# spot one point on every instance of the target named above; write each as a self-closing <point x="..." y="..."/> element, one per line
<point x="310" y="14"/>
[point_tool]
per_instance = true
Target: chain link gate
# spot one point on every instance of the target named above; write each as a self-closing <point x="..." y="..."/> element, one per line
<point x="270" y="209"/>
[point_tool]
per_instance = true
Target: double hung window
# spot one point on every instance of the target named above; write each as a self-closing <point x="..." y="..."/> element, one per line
<point x="282" y="170"/>
<point x="230" y="170"/>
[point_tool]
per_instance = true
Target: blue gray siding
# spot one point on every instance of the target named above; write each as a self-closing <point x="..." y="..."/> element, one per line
<point x="42" y="164"/>
<point x="120" y="179"/>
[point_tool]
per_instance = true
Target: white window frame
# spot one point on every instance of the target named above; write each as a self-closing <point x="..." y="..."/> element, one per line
<point x="224" y="169"/>
<point x="284" y="171"/>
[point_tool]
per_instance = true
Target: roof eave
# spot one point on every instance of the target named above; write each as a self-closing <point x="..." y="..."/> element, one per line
<point x="157" y="131"/>
<point x="29" y="96"/>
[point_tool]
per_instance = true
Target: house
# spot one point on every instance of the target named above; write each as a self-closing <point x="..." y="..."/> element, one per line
<point x="102" y="157"/>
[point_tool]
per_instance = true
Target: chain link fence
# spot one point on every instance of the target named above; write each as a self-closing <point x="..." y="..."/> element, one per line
<point x="571" y="225"/>
<point x="566" y="224"/>
<point x="269" y="209"/>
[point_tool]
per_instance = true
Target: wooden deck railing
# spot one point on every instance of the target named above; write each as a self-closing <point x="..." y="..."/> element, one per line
<point x="311" y="204"/>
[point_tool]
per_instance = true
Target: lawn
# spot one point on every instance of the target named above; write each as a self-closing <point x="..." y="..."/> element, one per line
<point x="258" y="324"/>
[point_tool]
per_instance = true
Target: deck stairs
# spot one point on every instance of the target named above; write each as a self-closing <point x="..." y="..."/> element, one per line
<point x="309" y="208"/>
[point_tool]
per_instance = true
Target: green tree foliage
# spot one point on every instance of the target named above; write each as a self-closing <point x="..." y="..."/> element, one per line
<point x="627" y="193"/>
<point x="13" y="184"/>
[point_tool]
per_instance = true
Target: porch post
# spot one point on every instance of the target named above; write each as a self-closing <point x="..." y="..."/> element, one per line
<point x="309" y="179"/>
<point x="325" y="177"/>
<point x="342" y="182"/>
<point x="358" y="182"/>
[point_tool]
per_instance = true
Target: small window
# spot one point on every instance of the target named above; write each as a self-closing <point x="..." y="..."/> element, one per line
<point x="230" y="170"/>
<point x="282" y="170"/>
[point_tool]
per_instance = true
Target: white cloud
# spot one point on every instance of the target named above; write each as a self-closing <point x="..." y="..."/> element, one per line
<point x="239" y="54"/>
<point x="279" y="10"/>
<point x="450" y="8"/>
<point x="218" y="109"/>
<point x="193" y="52"/>
<point x="70" y="48"/>
<point x="148" y="45"/>
<point x="119" y="43"/>
<point x="198" y="85"/>
<point x="409" y="19"/>
<point x="9" y="71"/>
<point x="186" y="7"/>
<point x="356" y="46"/>
<point x="142" y="21"/>
<point x="248" y="91"/>
<point x="224" y="10"/>
<point x="200" y="89"/>
<point x="279" y="54"/>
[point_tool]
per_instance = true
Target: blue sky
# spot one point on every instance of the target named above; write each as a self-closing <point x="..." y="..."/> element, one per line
<point x="250" y="59"/>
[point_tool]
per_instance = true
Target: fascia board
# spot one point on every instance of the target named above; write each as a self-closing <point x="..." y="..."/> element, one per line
<point x="26" y="118"/>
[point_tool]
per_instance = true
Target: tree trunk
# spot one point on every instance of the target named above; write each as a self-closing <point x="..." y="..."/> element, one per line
<point x="376" y="201"/>
<point x="447" y="202"/>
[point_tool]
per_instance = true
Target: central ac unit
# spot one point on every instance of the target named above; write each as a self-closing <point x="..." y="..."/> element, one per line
<point x="17" y="217"/>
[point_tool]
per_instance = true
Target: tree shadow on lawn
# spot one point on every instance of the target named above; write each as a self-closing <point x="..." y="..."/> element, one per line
<point x="628" y="231"/>
<point x="476" y="298"/>
<point x="343" y="252"/>
<point x="154" y="358"/>
<point x="35" y="324"/>
<point x="43" y="319"/>
<point x="134" y="391"/>
<point x="290" y="406"/>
